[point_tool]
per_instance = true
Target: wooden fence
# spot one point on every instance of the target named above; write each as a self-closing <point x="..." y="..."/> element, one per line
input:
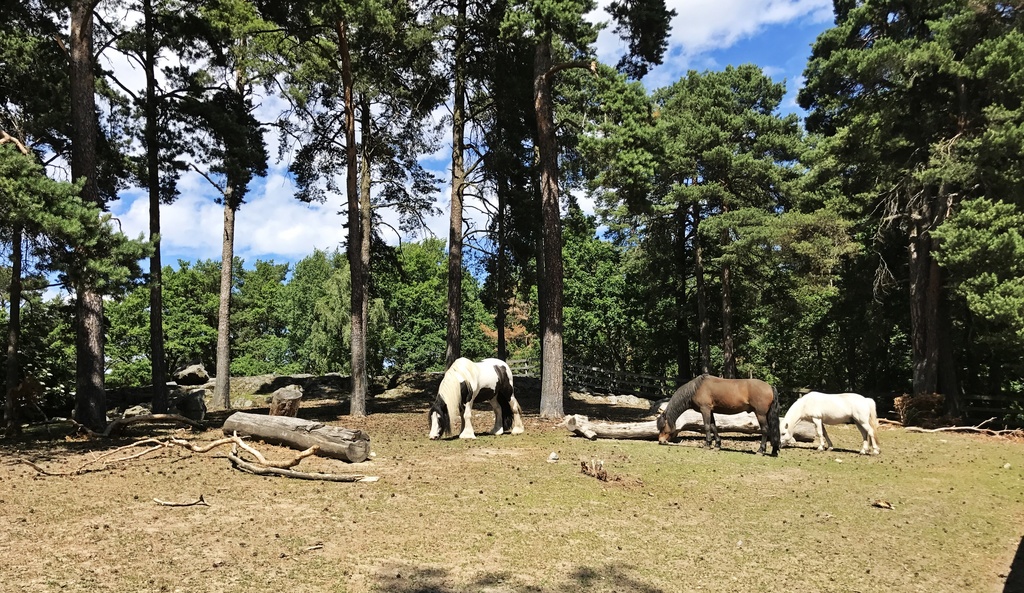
<point x="1005" y="409"/>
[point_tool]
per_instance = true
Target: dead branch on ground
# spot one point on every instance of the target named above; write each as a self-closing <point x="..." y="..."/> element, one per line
<point x="261" y="467"/>
<point x="977" y="428"/>
<point x="200" y="501"/>
<point x="264" y="470"/>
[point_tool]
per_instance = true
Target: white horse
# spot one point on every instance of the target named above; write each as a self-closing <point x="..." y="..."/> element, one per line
<point x="465" y="380"/>
<point x="834" y="408"/>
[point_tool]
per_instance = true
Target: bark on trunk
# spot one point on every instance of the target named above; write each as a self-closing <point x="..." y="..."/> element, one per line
<point x="682" y="328"/>
<point x="702" y="297"/>
<point x="454" y="337"/>
<point x="90" y="398"/>
<point x="357" y="402"/>
<point x="501" y="304"/>
<point x="13" y="426"/>
<point x="552" y="371"/>
<point x="156" y="302"/>
<point x="728" y="348"/>
<point x="333" y="441"/>
<point x="222" y="383"/>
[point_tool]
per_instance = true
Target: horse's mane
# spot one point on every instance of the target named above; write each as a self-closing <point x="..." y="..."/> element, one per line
<point x="681" y="399"/>
<point x="449" y="394"/>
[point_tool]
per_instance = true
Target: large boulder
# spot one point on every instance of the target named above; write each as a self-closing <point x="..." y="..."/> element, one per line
<point x="191" y="374"/>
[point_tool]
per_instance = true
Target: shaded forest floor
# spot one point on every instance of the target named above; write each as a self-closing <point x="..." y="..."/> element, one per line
<point x="496" y="514"/>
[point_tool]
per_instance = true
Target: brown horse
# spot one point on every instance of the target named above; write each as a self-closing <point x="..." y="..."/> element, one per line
<point x="708" y="394"/>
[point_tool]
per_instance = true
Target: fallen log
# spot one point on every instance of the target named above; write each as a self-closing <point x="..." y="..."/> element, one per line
<point x="689" y="421"/>
<point x="331" y="441"/>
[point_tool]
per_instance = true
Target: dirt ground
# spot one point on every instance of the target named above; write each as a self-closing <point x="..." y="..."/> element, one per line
<point x="498" y="514"/>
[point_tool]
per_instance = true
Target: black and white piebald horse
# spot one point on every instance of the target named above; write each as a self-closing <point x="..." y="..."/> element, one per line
<point x="464" y="382"/>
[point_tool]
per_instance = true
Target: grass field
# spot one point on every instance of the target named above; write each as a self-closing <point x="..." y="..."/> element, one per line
<point x="494" y="514"/>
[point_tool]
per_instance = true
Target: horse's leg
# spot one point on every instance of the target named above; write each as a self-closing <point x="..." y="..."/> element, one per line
<point x="819" y="430"/>
<point x="762" y="421"/>
<point x="870" y="444"/>
<point x="709" y="423"/>
<point x="517" y="416"/>
<point x="497" y="416"/>
<point x="467" y="422"/>
<point x="714" y="428"/>
<point x="824" y="432"/>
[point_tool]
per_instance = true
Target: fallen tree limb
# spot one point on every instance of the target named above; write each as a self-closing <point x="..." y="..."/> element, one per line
<point x="977" y="428"/>
<point x="201" y="501"/>
<point x="689" y="421"/>
<point x="263" y="470"/>
<point x="155" y="445"/>
<point x="116" y="426"/>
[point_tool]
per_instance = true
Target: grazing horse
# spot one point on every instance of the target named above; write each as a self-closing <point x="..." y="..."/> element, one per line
<point x="708" y="394"/>
<point x="489" y="379"/>
<point x="834" y="408"/>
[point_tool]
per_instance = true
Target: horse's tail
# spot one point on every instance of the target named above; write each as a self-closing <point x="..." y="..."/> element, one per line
<point x="774" y="432"/>
<point x="505" y="392"/>
<point x="873" y="418"/>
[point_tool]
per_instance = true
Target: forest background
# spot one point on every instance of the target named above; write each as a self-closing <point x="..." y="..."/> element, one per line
<point x="873" y="246"/>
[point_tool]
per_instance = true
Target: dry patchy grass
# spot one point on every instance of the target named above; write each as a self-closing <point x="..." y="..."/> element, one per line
<point x="495" y="515"/>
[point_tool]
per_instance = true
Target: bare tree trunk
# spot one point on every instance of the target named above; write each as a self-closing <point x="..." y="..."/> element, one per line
<point x="682" y="329"/>
<point x="90" y="397"/>
<point x="454" y="339"/>
<point x="156" y="302"/>
<point x="366" y="230"/>
<point x="925" y="358"/>
<point x="728" y="348"/>
<point x="552" y="369"/>
<point x="704" y="332"/>
<point x="222" y="383"/>
<point x="500" y="285"/>
<point x="357" y="401"/>
<point x="13" y="427"/>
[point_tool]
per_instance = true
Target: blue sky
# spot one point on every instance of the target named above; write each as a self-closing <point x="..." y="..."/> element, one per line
<point x="272" y="225"/>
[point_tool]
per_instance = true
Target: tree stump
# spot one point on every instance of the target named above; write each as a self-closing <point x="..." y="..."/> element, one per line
<point x="285" y="401"/>
<point x="334" y="441"/>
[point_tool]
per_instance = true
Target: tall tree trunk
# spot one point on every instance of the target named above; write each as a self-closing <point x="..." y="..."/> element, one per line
<point x="454" y="337"/>
<point x="365" y="232"/>
<point x="13" y="426"/>
<point x="357" y="401"/>
<point x="925" y="356"/>
<point x="704" y="324"/>
<point x="500" y="284"/>
<point x="934" y="365"/>
<point x="90" y="397"/>
<point x="728" y="347"/>
<point x="682" y="332"/>
<point x="222" y="383"/>
<point x="156" y="301"/>
<point x="551" y="374"/>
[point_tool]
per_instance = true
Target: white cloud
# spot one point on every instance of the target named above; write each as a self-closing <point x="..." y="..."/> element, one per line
<point x="703" y="26"/>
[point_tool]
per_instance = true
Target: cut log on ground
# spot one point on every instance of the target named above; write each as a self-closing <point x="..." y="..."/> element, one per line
<point x="332" y="441"/>
<point x="689" y="421"/>
<point x="286" y="401"/>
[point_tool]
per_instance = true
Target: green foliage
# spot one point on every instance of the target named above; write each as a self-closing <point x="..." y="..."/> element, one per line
<point x="982" y="246"/>
<point x="415" y="299"/>
<point x="258" y="322"/>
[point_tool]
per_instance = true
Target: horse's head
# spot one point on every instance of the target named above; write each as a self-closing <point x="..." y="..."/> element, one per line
<point x="666" y="430"/>
<point x="440" y="422"/>
<point x="786" y="436"/>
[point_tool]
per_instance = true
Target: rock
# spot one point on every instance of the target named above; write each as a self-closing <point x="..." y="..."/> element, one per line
<point x="140" y="410"/>
<point x="191" y="405"/>
<point x="191" y="374"/>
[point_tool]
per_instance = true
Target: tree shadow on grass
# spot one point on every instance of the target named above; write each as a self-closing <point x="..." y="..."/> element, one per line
<point x="1015" y="578"/>
<point x="404" y="578"/>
